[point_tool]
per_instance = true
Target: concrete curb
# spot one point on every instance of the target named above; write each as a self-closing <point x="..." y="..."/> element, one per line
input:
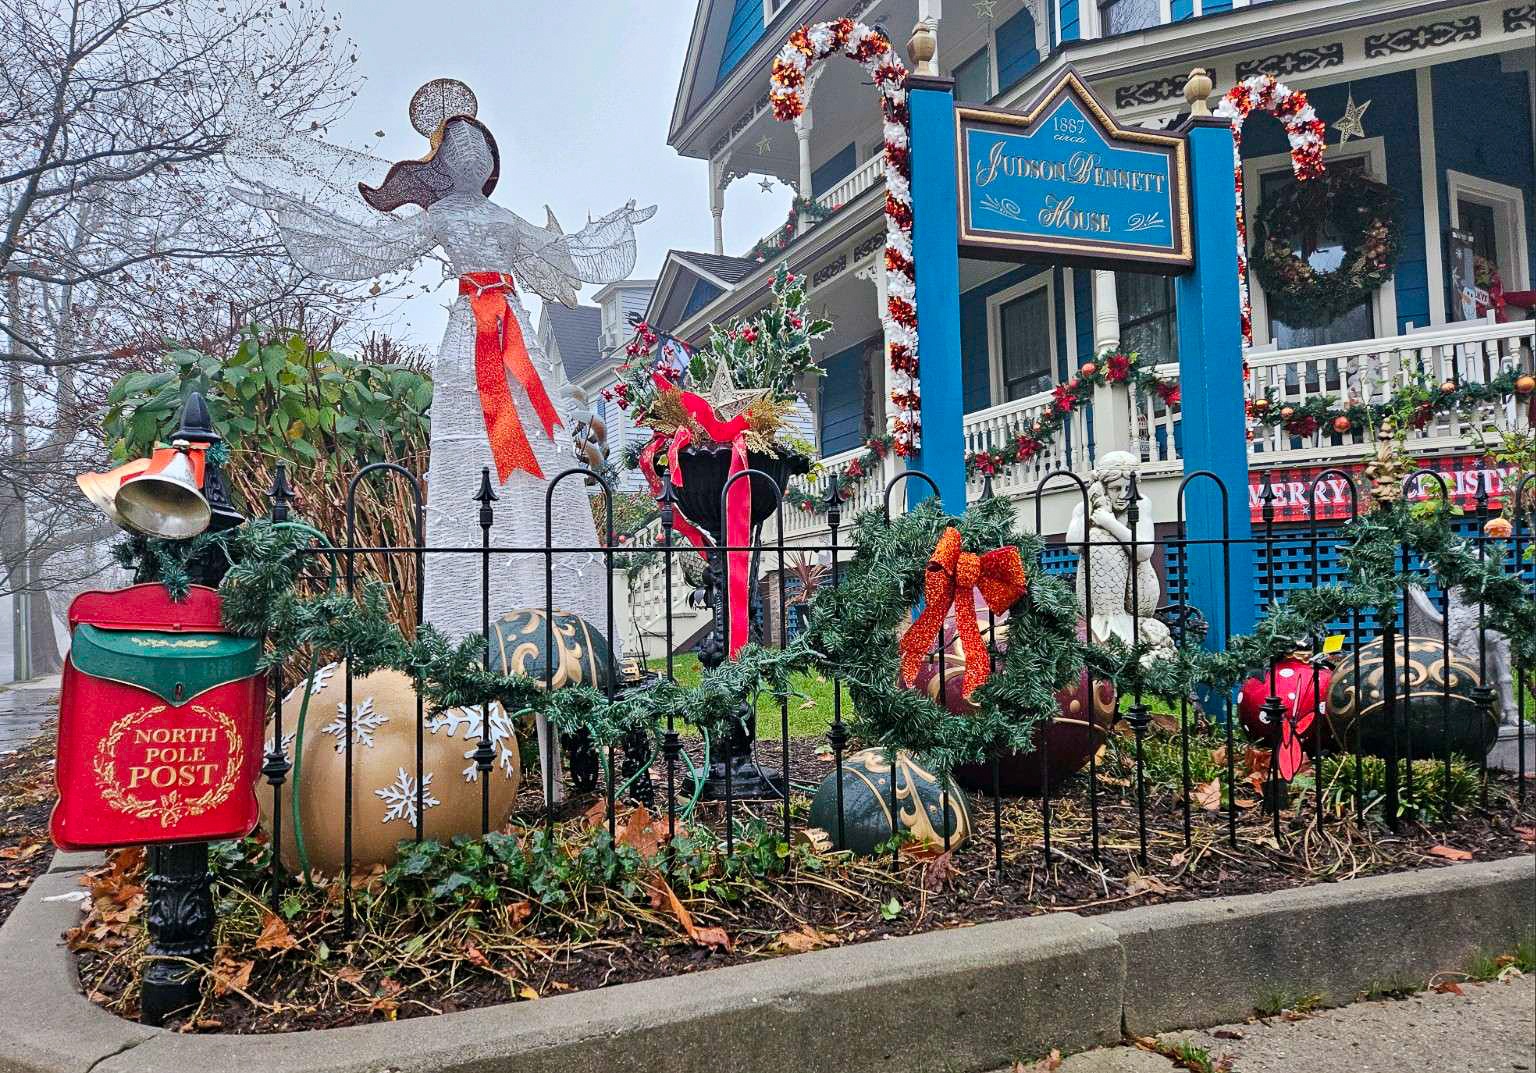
<point x="960" y="1000"/>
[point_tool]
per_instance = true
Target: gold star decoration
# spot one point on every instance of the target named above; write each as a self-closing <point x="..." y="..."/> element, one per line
<point x="764" y="144"/>
<point x="728" y="400"/>
<point x="985" y="9"/>
<point x="1352" y="124"/>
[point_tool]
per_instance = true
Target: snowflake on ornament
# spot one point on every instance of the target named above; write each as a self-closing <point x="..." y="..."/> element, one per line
<point x="366" y="721"/>
<point x="400" y="796"/>
<point x="467" y="723"/>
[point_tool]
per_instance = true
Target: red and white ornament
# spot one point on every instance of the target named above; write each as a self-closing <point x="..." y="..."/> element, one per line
<point x="1301" y="695"/>
<point x="1306" y="133"/>
<point x="872" y="50"/>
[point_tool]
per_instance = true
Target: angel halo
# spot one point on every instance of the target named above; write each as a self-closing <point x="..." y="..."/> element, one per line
<point x="496" y="394"/>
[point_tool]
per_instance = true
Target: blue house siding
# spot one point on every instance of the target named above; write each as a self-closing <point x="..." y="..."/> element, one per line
<point x="1082" y="298"/>
<point x="1489" y="143"/>
<point x="975" y="365"/>
<point x="1182" y="9"/>
<point x="842" y="400"/>
<point x="746" y="27"/>
<point x="1397" y="124"/>
<point x="834" y="170"/>
<point x="1071" y="27"/>
<point x="1016" y="49"/>
<point x="703" y="293"/>
<point x="1210" y="7"/>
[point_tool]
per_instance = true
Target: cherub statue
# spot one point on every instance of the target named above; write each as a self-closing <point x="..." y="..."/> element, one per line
<point x="494" y="389"/>
<point x="1124" y="587"/>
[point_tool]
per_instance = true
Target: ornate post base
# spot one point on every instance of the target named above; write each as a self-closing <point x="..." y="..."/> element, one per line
<point x="180" y="930"/>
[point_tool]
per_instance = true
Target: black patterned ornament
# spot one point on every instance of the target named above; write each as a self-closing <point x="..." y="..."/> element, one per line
<point x="520" y="643"/>
<point x="1436" y="702"/>
<point x="920" y="804"/>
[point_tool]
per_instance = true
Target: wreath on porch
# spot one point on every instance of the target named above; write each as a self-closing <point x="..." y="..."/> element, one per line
<point x="1289" y="226"/>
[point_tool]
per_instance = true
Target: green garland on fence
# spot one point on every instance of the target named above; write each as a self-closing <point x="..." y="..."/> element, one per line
<point x="851" y="632"/>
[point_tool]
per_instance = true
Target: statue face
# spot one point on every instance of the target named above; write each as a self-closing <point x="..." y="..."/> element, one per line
<point x="1117" y="486"/>
<point x="466" y="156"/>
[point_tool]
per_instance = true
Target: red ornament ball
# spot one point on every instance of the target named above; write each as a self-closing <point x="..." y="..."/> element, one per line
<point x="1089" y="369"/>
<point x="1074" y="735"/>
<point x="1342" y="424"/>
<point x="1301" y="702"/>
<point x="1526" y="384"/>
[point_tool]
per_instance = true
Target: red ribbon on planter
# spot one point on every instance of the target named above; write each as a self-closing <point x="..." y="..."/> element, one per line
<point x="738" y="500"/>
<point x="652" y="478"/>
<point x="949" y="581"/>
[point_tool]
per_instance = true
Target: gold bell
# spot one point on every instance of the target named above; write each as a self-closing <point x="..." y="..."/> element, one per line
<point x="164" y="501"/>
<point x="101" y="488"/>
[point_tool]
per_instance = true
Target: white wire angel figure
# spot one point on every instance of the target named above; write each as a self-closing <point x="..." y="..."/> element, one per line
<point x="494" y="400"/>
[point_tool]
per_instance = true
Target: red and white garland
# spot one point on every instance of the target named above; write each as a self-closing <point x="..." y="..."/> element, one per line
<point x="1306" y="133"/>
<point x="872" y="50"/>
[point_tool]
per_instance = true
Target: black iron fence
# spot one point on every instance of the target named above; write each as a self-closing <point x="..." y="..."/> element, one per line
<point x="733" y="764"/>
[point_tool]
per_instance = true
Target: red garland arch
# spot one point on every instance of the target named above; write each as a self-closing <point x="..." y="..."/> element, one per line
<point x="872" y="50"/>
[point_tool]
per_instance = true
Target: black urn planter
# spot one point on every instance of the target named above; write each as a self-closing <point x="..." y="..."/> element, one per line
<point x="733" y="767"/>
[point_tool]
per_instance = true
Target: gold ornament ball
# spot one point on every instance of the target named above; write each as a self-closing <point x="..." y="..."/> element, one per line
<point x="1447" y="387"/>
<point x="1342" y="424"/>
<point x="1089" y="369"/>
<point x="384" y="770"/>
<point x="1526" y="384"/>
<point x="1261" y="405"/>
<point x="1499" y="528"/>
<point x="1287" y="411"/>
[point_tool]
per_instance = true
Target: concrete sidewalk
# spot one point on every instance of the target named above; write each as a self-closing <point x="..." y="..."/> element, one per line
<point x="24" y="706"/>
<point x="1490" y="1028"/>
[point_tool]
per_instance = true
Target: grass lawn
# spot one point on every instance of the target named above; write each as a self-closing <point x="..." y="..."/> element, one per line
<point x="809" y="716"/>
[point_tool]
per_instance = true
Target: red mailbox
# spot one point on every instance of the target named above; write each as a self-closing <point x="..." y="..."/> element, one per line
<point x="160" y="720"/>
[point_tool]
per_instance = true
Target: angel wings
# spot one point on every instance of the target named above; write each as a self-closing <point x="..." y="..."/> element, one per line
<point x="309" y="189"/>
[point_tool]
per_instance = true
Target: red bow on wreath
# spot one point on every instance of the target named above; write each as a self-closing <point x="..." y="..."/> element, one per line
<point x="952" y="576"/>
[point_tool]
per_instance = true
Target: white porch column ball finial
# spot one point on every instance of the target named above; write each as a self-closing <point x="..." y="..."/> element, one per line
<point x="922" y="46"/>
<point x="1197" y="91"/>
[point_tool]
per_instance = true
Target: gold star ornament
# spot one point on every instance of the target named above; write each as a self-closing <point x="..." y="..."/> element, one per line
<point x="1352" y="124"/>
<point x="728" y="400"/>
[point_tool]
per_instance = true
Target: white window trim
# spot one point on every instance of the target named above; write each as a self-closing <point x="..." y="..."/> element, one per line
<point x="1164" y="15"/>
<point x="995" y="303"/>
<point x="1508" y="207"/>
<point x="1384" y="301"/>
<point x="772" y="8"/>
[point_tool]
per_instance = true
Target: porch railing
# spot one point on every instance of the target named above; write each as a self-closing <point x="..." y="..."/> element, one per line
<point x="854" y="183"/>
<point x="996" y="427"/>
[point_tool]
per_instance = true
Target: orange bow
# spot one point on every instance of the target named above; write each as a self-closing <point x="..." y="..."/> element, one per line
<point x="499" y="350"/>
<point x="953" y="575"/>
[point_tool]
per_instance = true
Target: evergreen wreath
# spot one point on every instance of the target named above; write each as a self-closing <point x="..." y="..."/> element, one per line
<point x="852" y="634"/>
<point x="1362" y="211"/>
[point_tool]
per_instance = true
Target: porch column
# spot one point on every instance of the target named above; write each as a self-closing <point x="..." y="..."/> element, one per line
<point x="803" y="138"/>
<point x="718" y="181"/>
<point x="875" y="273"/>
<point x="1214" y="436"/>
<point x="936" y="252"/>
<point x="1113" y="419"/>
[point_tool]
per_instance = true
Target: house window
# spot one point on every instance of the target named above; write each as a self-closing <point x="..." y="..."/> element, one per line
<point x="973" y="79"/>
<point x="1025" y="340"/>
<point x="1017" y="49"/>
<point x="1494" y="215"/>
<point x="1123" y="16"/>
<point x="772" y="8"/>
<point x="1147" y="323"/>
<point x="1357" y="323"/>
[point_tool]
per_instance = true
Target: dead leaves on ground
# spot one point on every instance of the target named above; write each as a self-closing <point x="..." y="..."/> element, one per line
<point x="663" y="897"/>
<point x="803" y="939"/>
<point x="275" y="935"/>
<point x="1050" y="1062"/>
<point x="1449" y="853"/>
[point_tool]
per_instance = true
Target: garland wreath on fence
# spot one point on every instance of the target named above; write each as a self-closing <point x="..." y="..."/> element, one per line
<point x="850" y="477"/>
<point x="872" y="50"/>
<point x="922" y="554"/>
<point x="1362" y="212"/>
<point x="1110" y="368"/>
<point x="1306" y="133"/>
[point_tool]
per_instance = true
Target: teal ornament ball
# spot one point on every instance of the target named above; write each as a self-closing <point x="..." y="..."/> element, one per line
<point x="573" y="653"/>
<point x="920" y="805"/>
